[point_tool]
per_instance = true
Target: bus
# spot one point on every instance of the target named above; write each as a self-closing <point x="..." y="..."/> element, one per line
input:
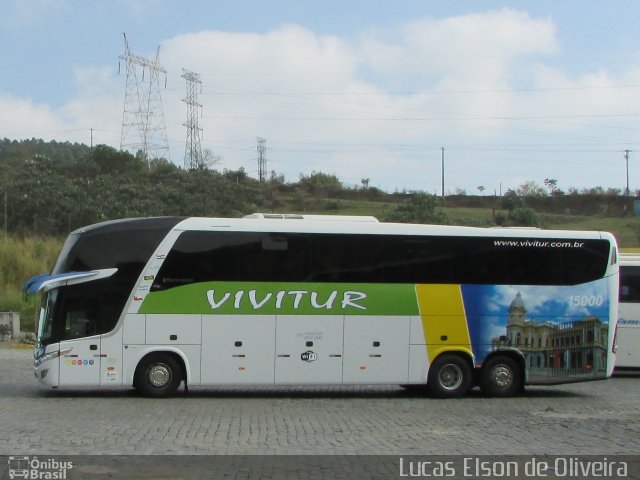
<point x="628" y="335"/>
<point x="269" y="299"/>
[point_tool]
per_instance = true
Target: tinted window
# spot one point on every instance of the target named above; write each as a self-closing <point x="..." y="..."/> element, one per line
<point x="346" y="258"/>
<point x="413" y="259"/>
<point x="234" y="256"/>
<point x="286" y="257"/>
<point x="90" y="308"/>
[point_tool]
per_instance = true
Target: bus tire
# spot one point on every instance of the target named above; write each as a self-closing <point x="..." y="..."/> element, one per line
<point x="158" y="375"/>
<point x="449" y="376"/>
<point x="501" y="377"/>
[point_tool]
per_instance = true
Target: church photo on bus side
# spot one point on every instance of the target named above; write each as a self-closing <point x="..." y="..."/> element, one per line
<point x="561" y="332"/>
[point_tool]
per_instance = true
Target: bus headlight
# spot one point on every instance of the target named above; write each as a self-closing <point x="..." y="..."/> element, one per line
<point x="50" y="356"/>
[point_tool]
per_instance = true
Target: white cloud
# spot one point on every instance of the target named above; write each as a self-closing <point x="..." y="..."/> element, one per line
<point x="290" y="59"/>
<point x="463" y="51"/>
<point x="322" y="89"/>
<point x="21" y="118"/>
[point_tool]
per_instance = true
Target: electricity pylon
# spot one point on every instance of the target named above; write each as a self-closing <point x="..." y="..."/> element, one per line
<point x="262" y="159"/>
<point x="143" y="126"/>
<point x="193" y="149"/>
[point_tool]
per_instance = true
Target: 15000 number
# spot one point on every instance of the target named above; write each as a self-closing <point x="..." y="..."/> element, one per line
<point x="586" y="300"/>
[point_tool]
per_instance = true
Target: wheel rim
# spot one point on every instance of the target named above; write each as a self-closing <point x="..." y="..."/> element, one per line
<point x="450" y="376"/>
<point x="502" y="376"/>
<point x="159" y="375"/>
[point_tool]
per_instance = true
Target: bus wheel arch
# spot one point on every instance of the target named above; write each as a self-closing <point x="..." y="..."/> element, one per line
<point x="159" y="374"/>
<point x="503" y="374"/>
<point x="450" y="375"/>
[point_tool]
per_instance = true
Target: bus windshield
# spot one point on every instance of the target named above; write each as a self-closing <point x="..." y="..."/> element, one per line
<point x="45" y="320"/>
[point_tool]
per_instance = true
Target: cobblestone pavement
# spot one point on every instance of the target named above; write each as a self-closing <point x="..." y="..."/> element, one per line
<point x="600" y="418"/>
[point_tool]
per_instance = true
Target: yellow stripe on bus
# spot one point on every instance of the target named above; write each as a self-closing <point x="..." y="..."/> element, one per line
<point x="444" y="322"/>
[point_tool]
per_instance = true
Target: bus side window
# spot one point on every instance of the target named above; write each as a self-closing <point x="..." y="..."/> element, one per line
<point x="629" y="284"/>
<point x="345" y="258"/>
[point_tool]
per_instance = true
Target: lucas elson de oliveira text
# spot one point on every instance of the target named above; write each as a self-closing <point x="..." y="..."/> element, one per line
<point x="561" y="467"/>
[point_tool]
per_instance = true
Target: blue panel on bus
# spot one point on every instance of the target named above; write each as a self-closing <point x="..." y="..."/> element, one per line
<point x="35" y="283"/>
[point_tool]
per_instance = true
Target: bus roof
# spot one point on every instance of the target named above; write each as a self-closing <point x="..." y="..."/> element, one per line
<point x="369" y="225"/>
<point x="317" y="218"/>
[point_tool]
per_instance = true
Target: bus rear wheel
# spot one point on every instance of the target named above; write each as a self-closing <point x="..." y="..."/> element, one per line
<point x="158" y="375"/>
<point x="501" y="377"/>
<point x="449" y="376"/>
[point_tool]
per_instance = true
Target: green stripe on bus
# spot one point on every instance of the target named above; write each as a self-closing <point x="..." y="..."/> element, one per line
<point x="248" y="298"/>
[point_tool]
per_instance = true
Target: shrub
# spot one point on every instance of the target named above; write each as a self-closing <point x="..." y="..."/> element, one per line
<point x="523" y="217"/>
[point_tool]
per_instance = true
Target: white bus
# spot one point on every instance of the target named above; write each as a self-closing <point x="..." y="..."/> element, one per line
<point x="292" y="300"/>
<point x="628" y="335"/>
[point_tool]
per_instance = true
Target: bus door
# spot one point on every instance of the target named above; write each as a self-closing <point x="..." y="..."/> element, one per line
<point x="80" y="362"/>
<point x="80" y="345"/>
<point x="80" y="306"/>
<point x="628" y="335"/>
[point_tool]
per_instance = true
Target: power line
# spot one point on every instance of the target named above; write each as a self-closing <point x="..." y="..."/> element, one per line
<point x="417" y="93"/>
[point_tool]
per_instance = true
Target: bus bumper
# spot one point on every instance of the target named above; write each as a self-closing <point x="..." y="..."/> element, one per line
<point x="46" y="365"/>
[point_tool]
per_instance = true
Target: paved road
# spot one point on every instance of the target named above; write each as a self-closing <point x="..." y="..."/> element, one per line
<point x="601" y="418"/>
<point x="586" y="418"/>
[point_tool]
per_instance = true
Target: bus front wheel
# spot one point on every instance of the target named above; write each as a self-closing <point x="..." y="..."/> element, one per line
<point x="158" y="375"/>
<point x="501" y="377"/>
<point x="449" y="376"/>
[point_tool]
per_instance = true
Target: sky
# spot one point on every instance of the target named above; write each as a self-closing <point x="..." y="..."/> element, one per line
<point x="513" y="92"/>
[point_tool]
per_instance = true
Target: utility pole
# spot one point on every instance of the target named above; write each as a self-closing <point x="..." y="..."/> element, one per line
<point x="143" y="126"/>
<point x="193" y="150"/>
<point x="442" y="148"/>
<point x="6" y="200"/>
<point x="262" y="159"/>
<point x="626" y="158"/>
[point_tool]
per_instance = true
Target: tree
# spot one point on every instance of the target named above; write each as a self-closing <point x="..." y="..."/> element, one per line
<point x="319" y="183"/>
<point x="551" y="184"/>
<point x="276" y="179"/>
<point x="112" y="161"/>
<point x="531" y="189"/>
<point x="511" y="200"/>
<point x="523" y="217"/>
<point x="210" y="159"/>
<point x="418" y="207"/>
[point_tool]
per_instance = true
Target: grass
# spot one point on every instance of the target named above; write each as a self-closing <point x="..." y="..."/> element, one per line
<point x="626" y="230"/>
<point x="22" y="258"/>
